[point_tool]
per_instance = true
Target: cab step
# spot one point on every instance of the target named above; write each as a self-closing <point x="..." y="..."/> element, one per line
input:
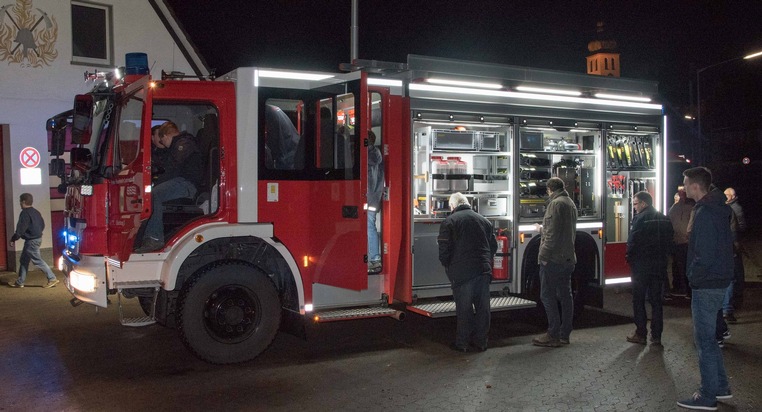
<point x="357" y="313"/>
<point x="140" y="320"/>
<point x="441" y="309"/>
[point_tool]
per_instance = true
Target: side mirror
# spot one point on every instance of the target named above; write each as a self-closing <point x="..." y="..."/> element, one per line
<point x="58" y="168"/>
<point x="82" y="122"/>
<point x="57" y="129"/>
<point x="81" y="159"/>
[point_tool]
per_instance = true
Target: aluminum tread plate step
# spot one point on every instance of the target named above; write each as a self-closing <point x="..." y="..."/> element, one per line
<point x="444" y="309"/>
<point x="137" y="322"/>
<point x="354" y="313"/>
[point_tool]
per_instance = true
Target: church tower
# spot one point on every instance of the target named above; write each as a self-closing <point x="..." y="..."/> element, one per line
<point x="603" y="59"/>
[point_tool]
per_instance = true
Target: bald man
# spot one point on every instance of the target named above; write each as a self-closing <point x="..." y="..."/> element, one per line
<point x="734" y="294"/>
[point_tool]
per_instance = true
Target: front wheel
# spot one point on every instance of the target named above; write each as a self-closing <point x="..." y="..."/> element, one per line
<point x="229" y="313"/>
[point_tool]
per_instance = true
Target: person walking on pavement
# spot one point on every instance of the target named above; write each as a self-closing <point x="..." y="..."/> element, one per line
<point x="467" y="245"/>
<point x="29" y="228"/>
<point x="648" y="245"/>
<point x="557" y="260"/>
<point x="710" y="271"/>
<point x="680" y="215"/>
<point x="734" y="294"/>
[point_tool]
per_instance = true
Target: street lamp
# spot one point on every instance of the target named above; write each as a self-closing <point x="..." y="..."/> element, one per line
<point x="698" y="98"/>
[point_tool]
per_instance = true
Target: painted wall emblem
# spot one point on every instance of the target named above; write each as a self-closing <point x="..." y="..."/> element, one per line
<point x="27" y="35"/>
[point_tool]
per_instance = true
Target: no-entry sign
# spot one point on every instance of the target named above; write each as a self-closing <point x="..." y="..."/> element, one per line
<point x="29" y="157"/>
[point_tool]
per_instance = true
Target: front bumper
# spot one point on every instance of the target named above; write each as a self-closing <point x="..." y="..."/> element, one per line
<point x="86" y="278"/>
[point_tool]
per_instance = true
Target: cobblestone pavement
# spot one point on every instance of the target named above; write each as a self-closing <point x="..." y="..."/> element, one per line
<point x="61" y="358"/>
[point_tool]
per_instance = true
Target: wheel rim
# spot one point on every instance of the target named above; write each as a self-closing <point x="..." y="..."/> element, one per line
<point x="232" y="313"/>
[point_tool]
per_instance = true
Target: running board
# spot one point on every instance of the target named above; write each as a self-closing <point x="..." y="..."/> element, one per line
<point x="357" y="313"/>
<point x="141" y="320"/>
<point x="444" y="309"/>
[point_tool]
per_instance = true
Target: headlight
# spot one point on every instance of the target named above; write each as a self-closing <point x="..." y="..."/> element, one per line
<point x="82" y="281"/>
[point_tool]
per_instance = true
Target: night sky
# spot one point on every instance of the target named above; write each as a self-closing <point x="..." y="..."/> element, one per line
<point x="663" y="40"/>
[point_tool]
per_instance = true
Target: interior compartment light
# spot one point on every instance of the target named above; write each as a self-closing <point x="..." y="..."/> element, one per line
<point x="531" y="89"/>
<point x="622" y="97"/>
<point x="384" y="82"/>
<point x="615" y="281"/>
<point x="86" y="190"/>
<point x="753" y="55"/>
<point x="463" y="83"/>
<point x="279" y="74"/>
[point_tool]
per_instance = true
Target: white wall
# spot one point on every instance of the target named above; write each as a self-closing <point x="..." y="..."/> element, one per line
<point x="30" y="95"/>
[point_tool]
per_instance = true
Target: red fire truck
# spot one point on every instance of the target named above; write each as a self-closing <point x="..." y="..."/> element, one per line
<point x="277" y="233"/>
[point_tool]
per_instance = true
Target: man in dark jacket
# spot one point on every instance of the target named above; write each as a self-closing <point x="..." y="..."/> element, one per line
<point x="710" y="271"/>
<point x="557" y="259"/>
<point x="734" y="295"/>
<point x="648" y="245"/>
<point x="182" y="176"/>
<point x="467" y="245"/>
<point x="29" y="228"/>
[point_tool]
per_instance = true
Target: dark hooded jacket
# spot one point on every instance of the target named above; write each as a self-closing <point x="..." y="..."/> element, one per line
<point x="710" y="247"/>
<point x="467" y="244"/>
<point x="650" y="240"/>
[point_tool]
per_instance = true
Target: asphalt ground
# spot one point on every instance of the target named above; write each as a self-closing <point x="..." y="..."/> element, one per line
<point x="57" y="357"/>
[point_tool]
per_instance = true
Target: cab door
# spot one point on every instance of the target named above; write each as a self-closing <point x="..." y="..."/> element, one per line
<point x="129" y="189"/>
<point x="315" y="198"/>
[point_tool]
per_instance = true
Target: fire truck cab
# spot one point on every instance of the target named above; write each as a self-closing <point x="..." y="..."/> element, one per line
<point x="277" y="232"/>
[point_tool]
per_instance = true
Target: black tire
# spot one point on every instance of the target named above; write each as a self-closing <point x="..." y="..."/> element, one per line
<point x="229" y="313"/>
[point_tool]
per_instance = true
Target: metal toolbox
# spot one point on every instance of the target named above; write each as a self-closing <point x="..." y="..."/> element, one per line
<point x="492" y="206"/>
<point x="454" y="139"/>
<point x="532" y="208"/>
<point x="489" y="141"/>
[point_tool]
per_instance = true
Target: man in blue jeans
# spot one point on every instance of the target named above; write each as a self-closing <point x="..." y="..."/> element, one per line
<point x="557" y="259"/>
<point x="648" y="245"/>
<point x="710" y="271"/>
<point x="467" y="245"/>
<point x="182" y="175"/>
<point x="375" y="196"/>
<point x="29" y="228"/>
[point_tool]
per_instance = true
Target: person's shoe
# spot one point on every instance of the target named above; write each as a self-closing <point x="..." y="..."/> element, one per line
<point x="479" y="348"/>
<point x="679" y="293"/>
<point x="564" y="341"/>
<point x="730" y="318"/>
<point x="52" y="283"/>
<point x="547" y="341"/>
<point x="726" y="394"/>
<point x="726" y="335"/>
<point x="635" y="338"/>
<point x="698" y="402"/>
<point x="149" y="245"/>
<point x="457" y="348"/>
<point x="655" y="341"/>
<point x="721" y="343"/>
<point x="14" y="284"/>
<point x="667" y="298"/>
<point x="374" y="267"/>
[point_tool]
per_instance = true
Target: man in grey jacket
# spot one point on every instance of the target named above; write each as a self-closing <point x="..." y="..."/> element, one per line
<point x="557" y="260"/>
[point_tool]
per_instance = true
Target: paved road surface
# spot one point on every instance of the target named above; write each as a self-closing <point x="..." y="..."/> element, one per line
<point x="56" y="357"/>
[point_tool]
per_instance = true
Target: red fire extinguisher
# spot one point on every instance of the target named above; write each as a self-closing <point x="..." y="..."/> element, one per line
<point x="502" y="258"/>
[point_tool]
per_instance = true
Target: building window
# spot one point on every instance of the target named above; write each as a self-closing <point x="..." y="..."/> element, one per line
<point x="613" y="64"/>
<point x="92" y="34"/>
<point x="606" y="63"/>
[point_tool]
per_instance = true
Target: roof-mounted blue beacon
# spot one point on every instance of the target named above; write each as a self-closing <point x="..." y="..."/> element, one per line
<point x="136" y="63"/>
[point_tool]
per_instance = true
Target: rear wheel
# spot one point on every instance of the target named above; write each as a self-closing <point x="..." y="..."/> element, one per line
<point x="229" y="313"/>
